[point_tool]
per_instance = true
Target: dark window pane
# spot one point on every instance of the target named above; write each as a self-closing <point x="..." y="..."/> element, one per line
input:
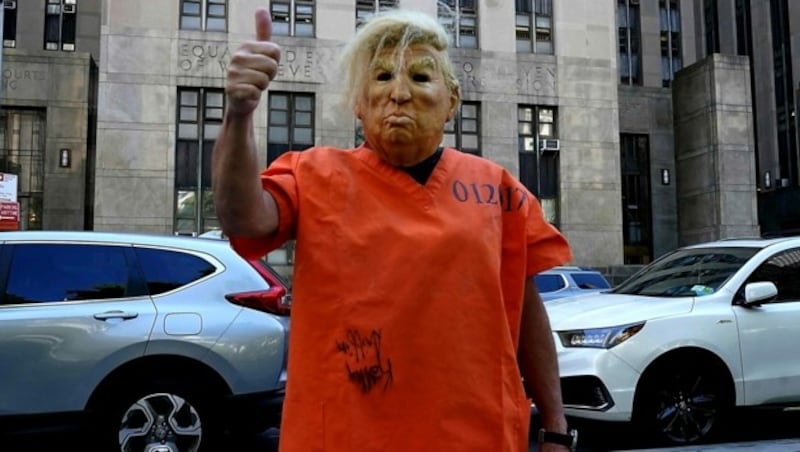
<point x="68" y="32"/>
<point x="9" y="26"/>
<point x="73" y="272"/>
<point x="549" y="283"/>
<point x="51" y="29"/>
<point x="208" y="146"/>
<point x="168" y="270"/>
<point x="523" y="6"/>
<point x="186" y="165"/>
<point x="274" y="150"/>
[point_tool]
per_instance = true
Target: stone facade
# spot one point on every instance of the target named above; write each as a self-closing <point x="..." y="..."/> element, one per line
<point x="145" y="57"/>
<point x="49" y="101"/>
<point x="131" y="59"/>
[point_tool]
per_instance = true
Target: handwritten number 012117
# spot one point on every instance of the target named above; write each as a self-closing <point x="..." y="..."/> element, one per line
<point x="502" y="195"/>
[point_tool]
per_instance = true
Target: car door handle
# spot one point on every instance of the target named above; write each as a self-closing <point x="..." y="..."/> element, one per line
<point x="116" y="315"/>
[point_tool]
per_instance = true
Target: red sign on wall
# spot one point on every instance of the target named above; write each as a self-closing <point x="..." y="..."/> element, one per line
<point x="9" y="216"/>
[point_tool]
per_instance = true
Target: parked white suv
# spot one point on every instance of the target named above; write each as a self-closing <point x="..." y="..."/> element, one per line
<point x="701" y="330"/>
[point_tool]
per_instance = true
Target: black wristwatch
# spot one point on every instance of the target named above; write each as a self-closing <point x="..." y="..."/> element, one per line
<point x="570" y="439"/>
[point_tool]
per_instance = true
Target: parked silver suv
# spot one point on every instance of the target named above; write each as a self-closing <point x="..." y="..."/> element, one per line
<point x="146" y="339"/>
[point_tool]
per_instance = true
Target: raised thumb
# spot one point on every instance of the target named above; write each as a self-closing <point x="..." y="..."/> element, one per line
<point x="263" y="24"/>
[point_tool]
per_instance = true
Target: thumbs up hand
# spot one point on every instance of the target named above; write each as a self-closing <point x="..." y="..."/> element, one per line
<point x="252" y="67"/>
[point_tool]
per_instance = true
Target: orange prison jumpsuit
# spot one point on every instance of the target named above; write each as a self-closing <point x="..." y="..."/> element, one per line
<point x="406" y="301"/>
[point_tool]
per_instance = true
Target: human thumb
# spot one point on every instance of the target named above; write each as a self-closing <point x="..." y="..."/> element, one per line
<point x="263" y="24"/>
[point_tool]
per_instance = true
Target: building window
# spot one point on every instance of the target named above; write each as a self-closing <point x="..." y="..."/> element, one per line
<point x="670" y="20"/>
<point x="636" y="222"/>
<point x="460" y="19"/>
<point x="59" y="25"/>
<point x="711" y="22"/>
<point x="9" y="23"/>
<point x="292" y="17"/>
<point x="539" y="148"/>
<point x="464" y="131"/>
<point x="199" y="121"/>
<point x="534" y="26"/>
<point x="744" y="45"/>
<point x="208" y="15"/>
<point x="367" y="8"/>
<point x="629" y="34"/>
<point x="784" y="92"/>
<point x="291" y="123"/>
<point x="23" y="139"/>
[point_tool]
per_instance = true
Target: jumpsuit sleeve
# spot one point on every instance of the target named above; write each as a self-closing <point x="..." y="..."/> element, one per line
<point x="279" y="179"/>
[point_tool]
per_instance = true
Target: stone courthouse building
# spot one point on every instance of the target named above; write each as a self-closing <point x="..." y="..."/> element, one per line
<point x="641" y="125"/>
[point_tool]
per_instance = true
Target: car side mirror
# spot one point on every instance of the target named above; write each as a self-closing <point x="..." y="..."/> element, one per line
<point x="758" y="292"/>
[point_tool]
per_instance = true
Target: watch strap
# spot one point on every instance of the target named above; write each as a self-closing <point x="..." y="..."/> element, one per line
<point x="569" y="439"/>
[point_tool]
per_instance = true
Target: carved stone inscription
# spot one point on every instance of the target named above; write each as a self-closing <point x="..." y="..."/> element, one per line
<point x="470" y="77"/>
<point x="212" y="58"/>
<point x="202" y="56"/>
<point x="536" y="79"/>
<point x="297" y="65"/>
<point x="14" y="78"/>
<point x="529" y="78"/>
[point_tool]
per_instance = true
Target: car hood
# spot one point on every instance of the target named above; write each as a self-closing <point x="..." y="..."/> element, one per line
<point x="605" y="309"/>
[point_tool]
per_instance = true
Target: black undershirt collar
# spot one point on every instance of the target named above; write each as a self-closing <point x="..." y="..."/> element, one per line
<point x="421" y="172"/>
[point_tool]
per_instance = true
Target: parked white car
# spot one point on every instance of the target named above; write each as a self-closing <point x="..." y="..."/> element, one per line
<point x="702" y="330"/>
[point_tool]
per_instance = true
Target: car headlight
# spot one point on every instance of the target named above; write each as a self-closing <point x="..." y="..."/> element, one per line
<point x="599" y="337"/>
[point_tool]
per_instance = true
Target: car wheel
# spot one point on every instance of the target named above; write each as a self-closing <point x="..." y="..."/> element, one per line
<point x="682" y="404"/>
<point x="160" y="418"/>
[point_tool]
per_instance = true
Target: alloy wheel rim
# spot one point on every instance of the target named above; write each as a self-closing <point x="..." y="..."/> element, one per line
<point x="687" y="411"/>
<point x="160" y="422"/>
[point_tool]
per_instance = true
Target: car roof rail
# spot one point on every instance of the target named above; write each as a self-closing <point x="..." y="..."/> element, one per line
<point x="573" y="268"/>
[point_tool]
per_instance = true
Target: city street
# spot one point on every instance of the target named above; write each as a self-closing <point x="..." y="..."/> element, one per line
<point x="752" y="431"/>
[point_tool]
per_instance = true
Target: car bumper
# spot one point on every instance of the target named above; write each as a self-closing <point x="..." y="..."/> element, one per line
<point x="596" y="384"/>
<point x="255" y="412"/>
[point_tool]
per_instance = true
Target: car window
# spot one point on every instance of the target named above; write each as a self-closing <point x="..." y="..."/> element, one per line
<point x="165" y="270"/>
<point x="687" y="272"/>
<point x="65" y="272"/>
<point x="549" y="283"/>
<point x="590" y="281"/>
<point x="783" y="269"/>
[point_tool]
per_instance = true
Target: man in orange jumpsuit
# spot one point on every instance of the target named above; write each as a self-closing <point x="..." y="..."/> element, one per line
<point x="414" y="315"/>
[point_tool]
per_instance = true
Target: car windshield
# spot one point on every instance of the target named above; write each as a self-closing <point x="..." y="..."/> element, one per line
<point x="687" y="272"/>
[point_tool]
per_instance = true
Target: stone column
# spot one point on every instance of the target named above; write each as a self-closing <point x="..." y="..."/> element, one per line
<point x="714" y="150"/>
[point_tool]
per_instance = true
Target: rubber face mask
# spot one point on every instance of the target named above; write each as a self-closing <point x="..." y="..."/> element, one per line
<point x="405" y="104"/>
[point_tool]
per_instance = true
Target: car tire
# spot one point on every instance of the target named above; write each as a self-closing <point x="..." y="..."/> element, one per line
<point x="682" y="403"/>
<point x="160" y="416"/>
